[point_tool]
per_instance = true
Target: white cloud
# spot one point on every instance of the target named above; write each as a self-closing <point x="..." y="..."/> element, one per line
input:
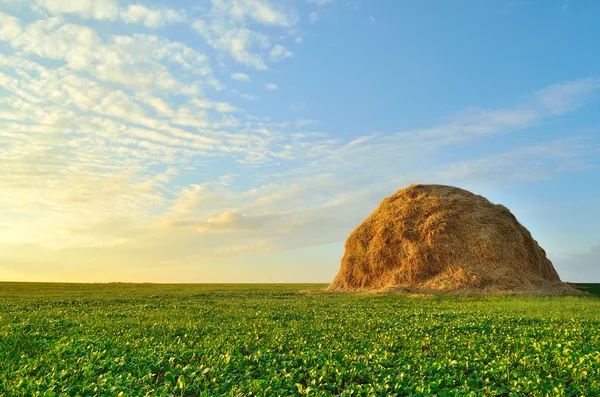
<point x="313" y="207"/>
<point x="133" y="61"/>
<point x="103" y="116"/>
<point x="136" y="13"/>
<point x="559" y="98"/>
<point x="226" y="27"/>
<point x="315" y="16"/>
<point x="371" y="20"/>
<point x="527" y="163"/>
<point x="244" y="96"/>
<point x="271" y="86"/>
<point x="48" y="38"/>
<point x="361" y="140"/>
<point x="222" y="107"/>
<point x="279" y="53"/>
<point x="110" y="10"/>
<point x="259" y="11"/>
<point x="237" y="42"/>
<point x="135" y="123"/>
<point x="240" y="77"/>
<point x="88" y="9"/>
<point x="265" y="13"/>
<point x="10" y="27"/>
<point x="234" y="221"/>
<point x="160" y="106"/>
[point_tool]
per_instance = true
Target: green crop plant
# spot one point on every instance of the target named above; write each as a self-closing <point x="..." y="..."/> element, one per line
<point x="271" y="340"/>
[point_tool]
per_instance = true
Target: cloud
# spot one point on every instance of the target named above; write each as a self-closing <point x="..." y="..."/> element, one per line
<point x="105" y="114"/>
<point x="240" y="77"/>
<point x="10" y="27"/>
<point x="315" y="16"/>
<point x="526" y="163"/>
<point x="74" y="126"/>
<point x="271" y="86"/>
<point x="259" y="11"/>
<point x="279" y="53"/>
<point x="87" y="9"/>
<point x="314" y="207"/>
<point x="244" y="96"/>
<point x="560" y="98"/>
<point x="221" y="107"/>
<point x="239" y="43"/>
<point x="159" y="105"/>
<point x="233" y="221"/>
<point x="136" y="13"/>
<point x="136" y="61"/>
<point x="226" y="27"/>
<point x="110" y="10"/>
<point x="361" y="140"/>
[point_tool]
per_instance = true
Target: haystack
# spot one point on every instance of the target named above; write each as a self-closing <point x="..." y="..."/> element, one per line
<point x="434" y="238"/>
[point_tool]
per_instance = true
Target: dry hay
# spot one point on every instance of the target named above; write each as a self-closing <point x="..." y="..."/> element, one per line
<point x="442" y="239"/>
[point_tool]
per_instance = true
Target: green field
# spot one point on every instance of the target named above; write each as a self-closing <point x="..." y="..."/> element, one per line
<point x="268" y="340"/>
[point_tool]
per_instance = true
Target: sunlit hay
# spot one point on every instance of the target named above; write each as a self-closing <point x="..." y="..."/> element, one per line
<point x="443" y="239"/>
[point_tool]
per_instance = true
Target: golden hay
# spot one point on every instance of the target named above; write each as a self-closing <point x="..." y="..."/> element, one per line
<point x="442" y="239"/>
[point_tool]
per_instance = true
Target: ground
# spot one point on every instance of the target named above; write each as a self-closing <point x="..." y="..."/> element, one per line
<point x="268" y="340"/>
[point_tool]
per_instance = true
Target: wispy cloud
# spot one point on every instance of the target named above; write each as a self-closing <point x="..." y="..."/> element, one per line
<point x="315" y="16"/>
<point x="560" y="98"/>
<point x="240" y="77"/>
<point x="222" y="107"/>
<point x="136" y="61"/>
<point x="227" y="28"/>
<point x="244" y="96"/>
<point x="87" y="133"/>
<point x="111" y="10"/>
<point x="271" y="86"/>
<point x="279" y="53"/>
<point x="88" y="9"/>
<point x="135" y="13"/>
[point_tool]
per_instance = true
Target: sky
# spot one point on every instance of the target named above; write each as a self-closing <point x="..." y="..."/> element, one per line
<point x="243" y="140"/>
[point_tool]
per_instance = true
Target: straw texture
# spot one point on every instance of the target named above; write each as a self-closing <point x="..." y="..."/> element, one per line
<point x="435" y="238"/>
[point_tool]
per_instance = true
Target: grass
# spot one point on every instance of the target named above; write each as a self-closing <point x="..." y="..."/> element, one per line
<point x="593" y="289"/>
<point x="268" y="340"/>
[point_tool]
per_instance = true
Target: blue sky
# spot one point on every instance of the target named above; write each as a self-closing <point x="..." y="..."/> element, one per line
<point x="243" y="140"/>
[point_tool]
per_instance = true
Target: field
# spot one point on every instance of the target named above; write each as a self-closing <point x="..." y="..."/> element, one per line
<point x="268" y="340"/>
